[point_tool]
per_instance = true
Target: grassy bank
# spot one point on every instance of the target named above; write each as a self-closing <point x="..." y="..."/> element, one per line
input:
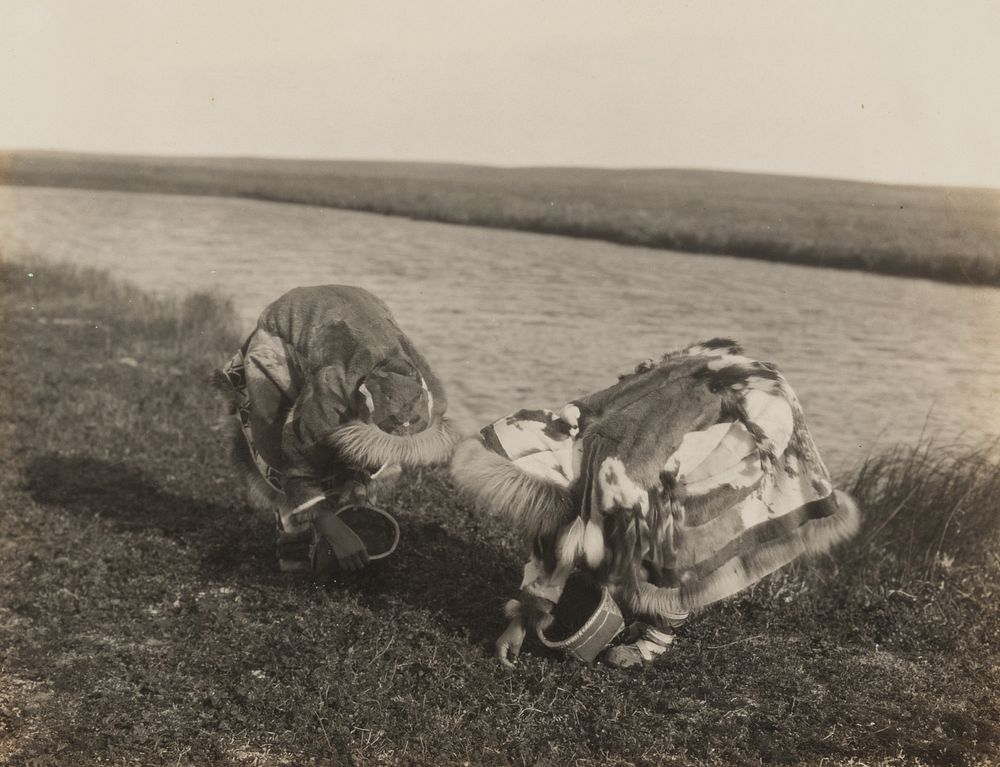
<point x="945" y="234"/>
<point x="142" y="619"/>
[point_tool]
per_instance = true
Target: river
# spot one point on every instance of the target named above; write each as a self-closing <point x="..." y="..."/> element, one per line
<point x="511" y="319"/>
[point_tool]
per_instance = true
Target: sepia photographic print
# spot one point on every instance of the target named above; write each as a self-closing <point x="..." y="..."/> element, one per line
<point x="445" y="383"/>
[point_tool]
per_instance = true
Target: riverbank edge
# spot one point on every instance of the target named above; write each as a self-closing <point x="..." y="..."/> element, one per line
<point x="595" y="213"/>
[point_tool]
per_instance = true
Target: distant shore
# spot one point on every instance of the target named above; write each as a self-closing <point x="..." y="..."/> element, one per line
<point x="938" y="233"/>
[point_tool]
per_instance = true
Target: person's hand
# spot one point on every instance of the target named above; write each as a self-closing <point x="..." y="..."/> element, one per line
<point x="348" y="549"/>
<point x="346" y="546"/>
<point x="508" y="646"/>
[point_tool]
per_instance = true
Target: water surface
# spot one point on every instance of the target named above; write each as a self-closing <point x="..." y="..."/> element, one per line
<point x="511" y="319"/>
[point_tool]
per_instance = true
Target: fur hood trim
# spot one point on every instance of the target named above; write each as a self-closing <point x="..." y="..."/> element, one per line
<point x="367" y="445"/>
<point x="535" y="506"/>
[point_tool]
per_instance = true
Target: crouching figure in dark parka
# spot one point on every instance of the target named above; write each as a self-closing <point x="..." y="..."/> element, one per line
<point x="329" y="396"/>
<point x="687" y="481"/>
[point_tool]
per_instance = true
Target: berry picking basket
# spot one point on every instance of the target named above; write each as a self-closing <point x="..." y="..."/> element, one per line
<point x="587" y="642"/>
<point x="365" y="517"/>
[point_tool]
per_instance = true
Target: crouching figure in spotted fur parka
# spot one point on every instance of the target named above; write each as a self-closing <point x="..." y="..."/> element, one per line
<point x="329" y="396"/>
<point x="688" y="480"/>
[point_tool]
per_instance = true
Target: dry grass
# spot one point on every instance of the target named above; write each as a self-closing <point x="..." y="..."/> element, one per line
<point x="143" y="620"/>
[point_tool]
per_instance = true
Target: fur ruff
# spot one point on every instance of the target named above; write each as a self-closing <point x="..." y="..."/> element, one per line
<point x="816" y="537"/>
<point x="367" y="445"/>
<point x="535" y="506"/>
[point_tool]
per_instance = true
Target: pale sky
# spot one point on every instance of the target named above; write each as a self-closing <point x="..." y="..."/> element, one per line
<point x="886" y="91"/>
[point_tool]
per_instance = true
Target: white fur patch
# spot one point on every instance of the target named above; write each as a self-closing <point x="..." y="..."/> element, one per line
<point x="618" y="489"/>
<point x="580" y="540"/>
<point x="695" y="447"/>
<point x="593" y="544"/>
<point x="571" y="543"/>
<point x="753" y="512"/>
<point x="698" y="350"/>
<point x="534" y="451"/>
<point x="713" y="456"/>
<point x="746" y="473"/>
<point x="571" y="415"/>
<point x="430" y="397"/>
<point x="369" y="402"/>
<point x="729" y="360"/>
<point x="772" y="414"/>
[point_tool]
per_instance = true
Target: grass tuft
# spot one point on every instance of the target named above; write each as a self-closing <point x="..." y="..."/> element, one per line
<point x="189" y="331"/>
<point x="931" y="508"/>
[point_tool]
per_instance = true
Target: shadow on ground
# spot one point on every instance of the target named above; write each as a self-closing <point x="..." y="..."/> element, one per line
<point x="456" y="579"/>
<point x="117" y="492"/>
<point x="464" y="582"/>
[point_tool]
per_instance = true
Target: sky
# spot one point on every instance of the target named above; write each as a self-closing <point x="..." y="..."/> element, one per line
<point x="884" y="91"/>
